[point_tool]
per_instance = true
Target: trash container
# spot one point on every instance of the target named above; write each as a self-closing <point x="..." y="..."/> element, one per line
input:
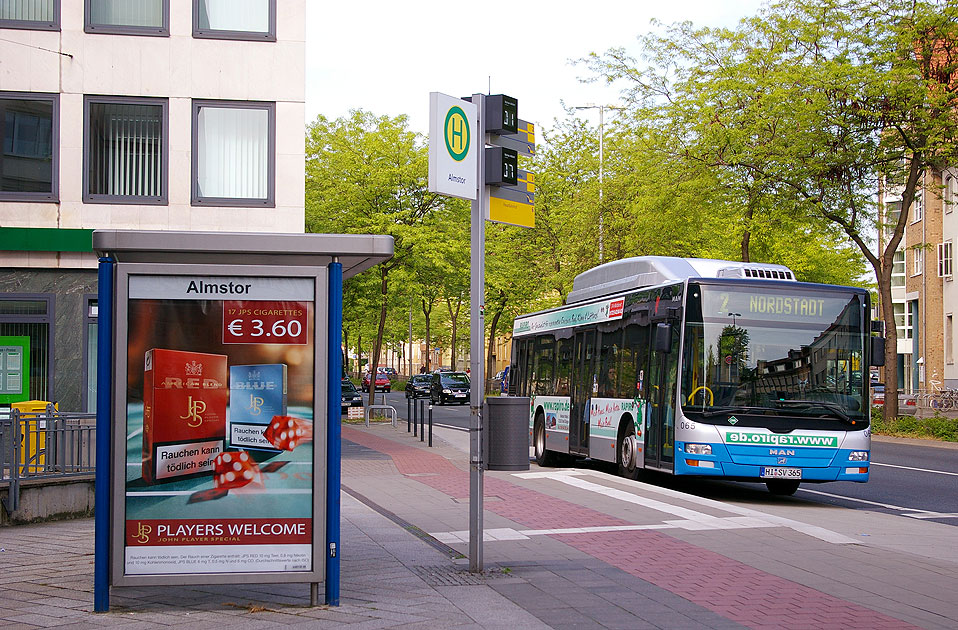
<point x="33" y="433"/>
<point x="506" y="439"/>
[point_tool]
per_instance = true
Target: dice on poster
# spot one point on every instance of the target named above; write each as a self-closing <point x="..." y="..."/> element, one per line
<point x="288" y="432"/>
<point x="235" y="469"/>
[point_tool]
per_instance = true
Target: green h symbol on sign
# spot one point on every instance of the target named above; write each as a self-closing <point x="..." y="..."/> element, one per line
<point x="457" y="133"/>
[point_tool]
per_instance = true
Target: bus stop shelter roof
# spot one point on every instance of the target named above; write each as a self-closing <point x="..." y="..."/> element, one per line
<point x="356" y="252"/>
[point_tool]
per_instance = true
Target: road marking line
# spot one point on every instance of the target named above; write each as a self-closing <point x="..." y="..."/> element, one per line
<point x="936" y="472"/>
<point x="567" y="477"/>
<point x="909" y="511"/>
<point x="934" y="515"/>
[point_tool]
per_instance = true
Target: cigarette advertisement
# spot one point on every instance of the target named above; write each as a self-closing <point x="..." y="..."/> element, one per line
<point x="219" y="425"/>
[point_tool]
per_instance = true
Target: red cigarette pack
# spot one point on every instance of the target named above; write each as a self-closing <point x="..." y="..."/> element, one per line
<point x="184" y="413"/>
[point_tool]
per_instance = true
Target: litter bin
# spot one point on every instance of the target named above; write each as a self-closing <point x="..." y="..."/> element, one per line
<point x="33" y="433"/>
<point x="506" y="421"/>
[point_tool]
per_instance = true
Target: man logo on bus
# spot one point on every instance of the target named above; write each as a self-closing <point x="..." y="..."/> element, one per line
<point x="457" y="134"/>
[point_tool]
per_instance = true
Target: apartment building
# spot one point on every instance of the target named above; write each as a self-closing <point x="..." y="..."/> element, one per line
<point x="924" y="294"/>
<point x="132" y="114"/>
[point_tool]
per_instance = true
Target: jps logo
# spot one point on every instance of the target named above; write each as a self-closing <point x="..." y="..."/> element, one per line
<point x="255" y="405"/>
<point x="142" y="533"/>
<point x="194" y="411"/>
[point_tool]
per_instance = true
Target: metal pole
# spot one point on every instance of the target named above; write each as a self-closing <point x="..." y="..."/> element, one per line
<point x="415" y="420"/>
<point x="477" y="281"/>
<point x="334" y="451"/>
<point x="422" y="428"/>
<point x="430" y="425"/>
<point x="601" y="137"/>
<point x="104" y="434"/>
<point x="408" y="414"/>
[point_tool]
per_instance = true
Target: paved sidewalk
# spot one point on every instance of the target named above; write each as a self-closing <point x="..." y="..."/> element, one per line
<point x="567" y="549"/>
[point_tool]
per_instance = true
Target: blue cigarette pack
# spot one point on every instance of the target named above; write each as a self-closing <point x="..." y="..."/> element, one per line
<point x="257" y="393"/>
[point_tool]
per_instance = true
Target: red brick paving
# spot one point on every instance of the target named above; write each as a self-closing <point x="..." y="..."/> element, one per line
<point x="725" y="586"/>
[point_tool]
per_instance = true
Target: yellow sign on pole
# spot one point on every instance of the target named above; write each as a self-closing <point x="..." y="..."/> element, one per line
<point x="514" y="205"/>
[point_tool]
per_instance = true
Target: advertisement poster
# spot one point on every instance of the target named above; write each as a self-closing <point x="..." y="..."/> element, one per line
<point x="219" y="425"/>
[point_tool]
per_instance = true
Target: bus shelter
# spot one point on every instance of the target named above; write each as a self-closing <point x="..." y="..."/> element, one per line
<point x="218" y="410"/>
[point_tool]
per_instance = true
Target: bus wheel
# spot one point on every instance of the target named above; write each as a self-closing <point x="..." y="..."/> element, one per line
<point x="628" y="452"/>
<point x="782" y="487"/>
<point x="543" y="457"/>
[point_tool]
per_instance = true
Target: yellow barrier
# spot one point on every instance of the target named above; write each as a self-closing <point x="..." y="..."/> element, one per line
<point x="33" y="435"/>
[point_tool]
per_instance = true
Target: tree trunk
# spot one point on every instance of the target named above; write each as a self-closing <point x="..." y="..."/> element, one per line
<point x="427" y="313"/>
<point x="377" y="347"/>
<point x="359" y="355"/>
<point x="490" y="365"/>
<point x="890" y="410"/>
<point x="346" y="353"/>
<point x="454" y="317"/>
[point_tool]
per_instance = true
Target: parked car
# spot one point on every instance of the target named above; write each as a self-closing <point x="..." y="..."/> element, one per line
<point x="390" y="372"/>
<point x="382" y="382"/>
<point x="449" y="387"/>
<point x="351" y="397"/>
<point x="878" y="394"/>
<point x="418" y="386"/>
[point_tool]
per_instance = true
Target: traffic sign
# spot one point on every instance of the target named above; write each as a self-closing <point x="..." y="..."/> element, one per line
<point x="523" y="141"/>
<point x="453" y="146"/>
<point x="514" y="205"/>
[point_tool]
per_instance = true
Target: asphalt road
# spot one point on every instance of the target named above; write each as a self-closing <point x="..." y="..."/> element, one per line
<point x="914" y="477"/>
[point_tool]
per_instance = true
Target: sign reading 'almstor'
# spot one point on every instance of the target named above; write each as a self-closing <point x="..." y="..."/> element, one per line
<point x="454" y="143"/>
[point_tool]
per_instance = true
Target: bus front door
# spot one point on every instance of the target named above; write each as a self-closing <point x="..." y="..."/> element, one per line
<point x="582" y="388"/>
<point x="661" y="387"/>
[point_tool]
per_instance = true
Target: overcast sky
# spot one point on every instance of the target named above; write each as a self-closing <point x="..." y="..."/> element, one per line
<point x="385" y="57"/>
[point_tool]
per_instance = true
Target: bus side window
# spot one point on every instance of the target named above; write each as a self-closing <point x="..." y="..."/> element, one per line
<point x="635" y="352"/>
<point x="527" y="375"/>
<point x="545" y="365"/>
<point x="608" y="368"/>
<point x="563" y="367"/>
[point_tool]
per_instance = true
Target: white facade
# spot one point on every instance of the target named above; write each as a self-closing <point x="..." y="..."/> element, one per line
<point x="215" y="142"/>
<point x="180" y="67"/>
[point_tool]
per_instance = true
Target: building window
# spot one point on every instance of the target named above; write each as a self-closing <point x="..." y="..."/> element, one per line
<point x="41" y="15"/>
<point x="125" y="150"/>
<point x="90" y="352"/>
<point x="949" y="339"/>
<point x="903" y="320"/>
<point x="128" y="17"/>
<point x="918" y="206"/>
<point x="29" y="141"/>
<point x="945" y="260"/>
<point x="892" y="212"/>
<point x="30" y="317"/>
<point x="898" y="269"/>
<point x="234" y="147"/>
<point x="235" y="19"/>
<point x="918" y="261"/>
<point x="951" y="192"/>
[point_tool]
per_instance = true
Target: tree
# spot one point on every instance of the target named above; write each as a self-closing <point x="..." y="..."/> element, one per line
<point x="816" y="105"/>
<point x="368" y="175"/>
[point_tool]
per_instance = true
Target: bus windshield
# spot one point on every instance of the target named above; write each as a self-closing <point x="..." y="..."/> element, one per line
<point x="770" y="351"/>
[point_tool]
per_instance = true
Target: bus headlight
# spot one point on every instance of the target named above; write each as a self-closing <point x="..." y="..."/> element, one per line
<point x="858" y="456"/>
<point x="698" y="449"/>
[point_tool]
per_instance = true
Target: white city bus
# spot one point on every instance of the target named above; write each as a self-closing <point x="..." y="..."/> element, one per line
<point x="701" y="367"/>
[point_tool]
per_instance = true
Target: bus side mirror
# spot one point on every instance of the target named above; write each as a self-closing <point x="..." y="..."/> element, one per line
<point x="877" y="351"/>
<point x="663" y="338"/>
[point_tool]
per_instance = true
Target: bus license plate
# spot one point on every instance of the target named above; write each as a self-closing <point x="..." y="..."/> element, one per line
<point x="769" y="472"/>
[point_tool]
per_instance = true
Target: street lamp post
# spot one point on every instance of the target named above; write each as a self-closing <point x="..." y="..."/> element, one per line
<point x="601" y="109"/>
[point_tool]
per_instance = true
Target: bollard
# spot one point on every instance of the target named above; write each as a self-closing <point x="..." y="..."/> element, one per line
<point x="408" y="416"/>
<point x="415" y="419"/>
<point x="430" y="425"/>
<point x="422" y="426"/>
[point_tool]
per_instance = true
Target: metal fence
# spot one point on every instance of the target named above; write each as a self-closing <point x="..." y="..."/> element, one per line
<point x="44" y="445"/>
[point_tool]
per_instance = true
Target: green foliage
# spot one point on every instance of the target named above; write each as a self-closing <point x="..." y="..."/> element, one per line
<point x="938" y="427"/>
